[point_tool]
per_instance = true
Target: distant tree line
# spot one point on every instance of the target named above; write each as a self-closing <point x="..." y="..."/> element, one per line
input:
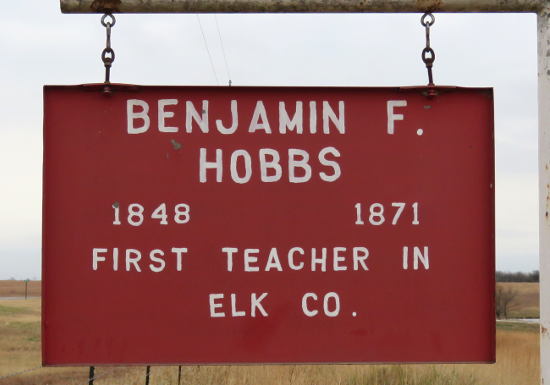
<point x="519" y="276"/>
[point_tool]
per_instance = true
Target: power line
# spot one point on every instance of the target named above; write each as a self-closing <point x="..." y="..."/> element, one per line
<point x="208" y="50"/>
<point x="223" y="49"/>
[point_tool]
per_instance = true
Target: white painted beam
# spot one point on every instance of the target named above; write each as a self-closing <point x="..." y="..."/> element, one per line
<point x="295" y="6"/>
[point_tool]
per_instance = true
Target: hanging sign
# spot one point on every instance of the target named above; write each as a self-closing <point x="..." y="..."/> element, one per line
<point x="268" y="225"/>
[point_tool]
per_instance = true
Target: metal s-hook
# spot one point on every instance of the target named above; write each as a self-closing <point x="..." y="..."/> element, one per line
<point x="428" y="54"/>
<point x="108" y="54"/>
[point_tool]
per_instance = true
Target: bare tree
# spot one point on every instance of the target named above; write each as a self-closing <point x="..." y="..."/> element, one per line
<point x="504" y="298"/>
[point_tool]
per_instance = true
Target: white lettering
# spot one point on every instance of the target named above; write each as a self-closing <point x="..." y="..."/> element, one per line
<point x="392" y="117"/>
<point x="298" y="159"/>
<point x="309" y="313"/>
<point x="234" y="311"/>
<point x="330" y="163"/>
<point x="330" y="116"/>
<point x="214" y="306"/>
<point x="247" y="166"/>
<point x="115" y="259"/>
<point x="153" y="256"/>
<point x="273" y="261"/>
<point x="273" y="164"/>
<point x="360" y="255"/>
<point x="216" y="165"/>
<point x="336" y="310"/>
<point x="291" y="263"/>
<point x="255" y="304"/>
<point x="294" y="124"/>
<point x="259" y="119"/>
<point x="337" y="258"/>
<point x="179" y="254"/>
<point x="133" y="260"/>
<point x="313" y="117"/>
<point x="97" y="258"/>
<point x="322" y="260"/>
<point x="250" y="256"/>
<point x="163" y="115"/>
<point x="234" y="123"/>
<point x="133" y="115"/>
<point x="418" y="256"/>
<point x="229" y="251"/>
<point x="193" y="115"/>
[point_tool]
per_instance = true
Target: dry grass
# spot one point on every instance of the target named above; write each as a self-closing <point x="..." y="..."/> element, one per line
<point x="517" y="363"/>
<point x="526" y="304"/>
<point x="13" y="288"/>
<point x="517" y="358"/>
<point x="20" y="345"/>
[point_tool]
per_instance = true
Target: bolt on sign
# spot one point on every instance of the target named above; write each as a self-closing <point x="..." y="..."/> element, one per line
<point x="268" y="225"/>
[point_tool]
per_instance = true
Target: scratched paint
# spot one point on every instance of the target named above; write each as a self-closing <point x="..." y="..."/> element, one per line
<point x="175" y="144"/>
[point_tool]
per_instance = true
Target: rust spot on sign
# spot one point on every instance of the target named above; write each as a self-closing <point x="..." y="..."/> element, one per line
<point x="543" y="330"/>
<point x="106" y="5"/>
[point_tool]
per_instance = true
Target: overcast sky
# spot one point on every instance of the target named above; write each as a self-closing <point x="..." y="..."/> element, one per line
<point x="41" y="46"/>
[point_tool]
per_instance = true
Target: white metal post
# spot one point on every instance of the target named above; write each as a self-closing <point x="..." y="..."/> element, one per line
<point x="543" y="24"/>
<point x="541" y="7"/>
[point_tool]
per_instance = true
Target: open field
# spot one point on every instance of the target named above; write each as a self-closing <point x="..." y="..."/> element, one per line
<point x="14" y="288"/>
<point x="517" y="363"/>
<point x="526" y="303"/>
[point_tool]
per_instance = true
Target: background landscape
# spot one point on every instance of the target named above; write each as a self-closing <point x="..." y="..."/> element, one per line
<point x="42" y="46"/>
<point x="517" y="353"/>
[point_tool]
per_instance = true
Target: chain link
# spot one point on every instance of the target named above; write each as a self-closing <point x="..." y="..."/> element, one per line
<point x="428" y="54"/>
<point x="108" y="54"/>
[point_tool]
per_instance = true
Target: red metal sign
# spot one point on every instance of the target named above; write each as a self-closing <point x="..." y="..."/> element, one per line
<point x="268" y="225"/>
